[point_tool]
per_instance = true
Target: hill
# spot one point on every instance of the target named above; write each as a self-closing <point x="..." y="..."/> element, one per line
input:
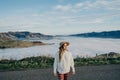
<point x="9" y="43"/>
<point x="15" y="39"/>
<point x="108" y="55"/>
<point x="104" y="34"/>
<point x="24" y="35"/>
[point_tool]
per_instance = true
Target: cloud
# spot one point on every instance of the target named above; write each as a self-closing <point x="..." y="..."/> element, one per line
<point x="89" y="5"/>
<point x="83" y="49"/>
<point x="63" y="8"/>
<point x="67" y="15"/>
<point x="51" y="20"/>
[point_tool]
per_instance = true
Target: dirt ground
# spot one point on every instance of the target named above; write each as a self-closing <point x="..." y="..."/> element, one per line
<point x="103" y="72"/>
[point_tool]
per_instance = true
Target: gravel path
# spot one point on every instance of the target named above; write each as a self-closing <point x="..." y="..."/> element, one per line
<point x="103" y="72"/>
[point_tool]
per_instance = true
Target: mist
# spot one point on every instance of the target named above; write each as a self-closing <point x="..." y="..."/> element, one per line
<point x="82" y="47"/>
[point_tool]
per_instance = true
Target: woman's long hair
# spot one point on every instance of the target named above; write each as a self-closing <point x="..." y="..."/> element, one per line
<point x="61" y="51"/>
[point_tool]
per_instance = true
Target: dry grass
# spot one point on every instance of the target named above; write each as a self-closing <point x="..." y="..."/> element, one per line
<point x="8" y="43"/>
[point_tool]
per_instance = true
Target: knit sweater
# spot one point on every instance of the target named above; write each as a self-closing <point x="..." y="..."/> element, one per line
<point x="65" y="64"/>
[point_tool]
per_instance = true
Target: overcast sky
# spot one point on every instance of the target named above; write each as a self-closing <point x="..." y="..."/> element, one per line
<point x="59" y="16"/>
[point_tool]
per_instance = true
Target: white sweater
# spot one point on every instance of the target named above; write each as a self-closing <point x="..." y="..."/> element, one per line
<point x="65" y="64"/>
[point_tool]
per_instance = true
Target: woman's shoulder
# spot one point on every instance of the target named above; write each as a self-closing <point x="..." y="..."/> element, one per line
<point x="68" y="52"/>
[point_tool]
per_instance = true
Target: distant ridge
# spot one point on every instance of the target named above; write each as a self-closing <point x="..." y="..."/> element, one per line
<point x="104" y="34"/>
<point x="108" y="55"/>
<point x="24" y="35"/>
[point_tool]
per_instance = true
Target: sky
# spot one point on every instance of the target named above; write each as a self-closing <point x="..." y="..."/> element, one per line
<point x="59" y="17"/>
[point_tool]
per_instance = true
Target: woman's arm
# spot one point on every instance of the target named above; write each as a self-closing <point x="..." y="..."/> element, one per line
<point x="72" y="64"/>
<point x="55" y="66"/>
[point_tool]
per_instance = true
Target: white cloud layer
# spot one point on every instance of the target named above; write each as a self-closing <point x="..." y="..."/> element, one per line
<point x="83" y="47"/>
<point x="63" y="8"/>
<point x="88" y="5"/>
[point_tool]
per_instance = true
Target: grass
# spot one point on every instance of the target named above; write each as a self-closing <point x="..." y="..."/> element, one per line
<point x="47" y="62"/>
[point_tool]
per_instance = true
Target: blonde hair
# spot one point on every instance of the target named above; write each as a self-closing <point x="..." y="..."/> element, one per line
<point x="61" y="51"/>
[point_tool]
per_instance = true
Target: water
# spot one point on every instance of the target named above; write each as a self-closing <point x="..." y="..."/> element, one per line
<point x="78" y="47"/>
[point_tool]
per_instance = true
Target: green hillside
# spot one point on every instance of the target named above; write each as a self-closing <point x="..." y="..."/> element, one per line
<point x="9" y="43"/>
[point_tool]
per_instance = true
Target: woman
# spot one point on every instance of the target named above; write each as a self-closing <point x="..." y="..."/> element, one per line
<point x="63" y="62"/>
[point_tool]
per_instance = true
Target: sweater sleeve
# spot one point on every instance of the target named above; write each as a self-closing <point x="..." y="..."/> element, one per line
<point x="72" y="63"/>
<point x="55" y="64"/>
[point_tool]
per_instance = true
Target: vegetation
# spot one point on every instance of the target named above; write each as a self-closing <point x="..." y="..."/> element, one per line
<point x="96" y="61"/>
<point x="47" y="62"/>
<point x="26" y="63"/>
<point x="9" y="43"/>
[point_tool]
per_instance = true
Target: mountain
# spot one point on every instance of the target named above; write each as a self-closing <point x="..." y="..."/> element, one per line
<point x="108" y="55"/>
<point x="104" y="34"/>
<point x="24" y="35"/>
